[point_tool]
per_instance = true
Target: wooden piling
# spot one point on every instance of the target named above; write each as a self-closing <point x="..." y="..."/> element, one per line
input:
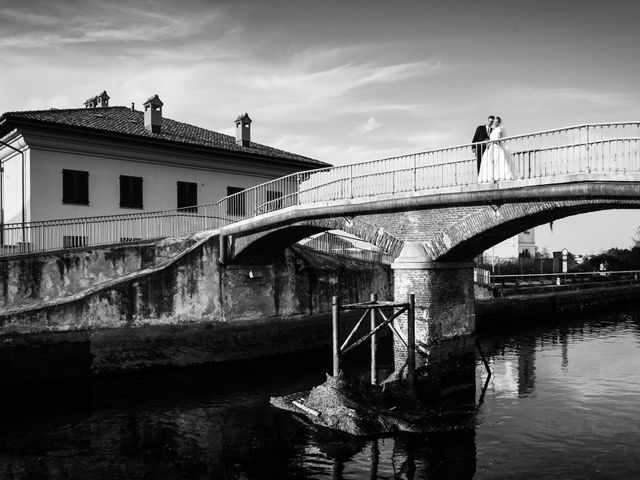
<point x="335" y="314"/>
<point x="411" y="339"/>
<point x="374" y="344"/>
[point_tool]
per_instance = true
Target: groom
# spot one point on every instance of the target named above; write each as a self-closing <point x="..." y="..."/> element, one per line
<point x="481" y="135"/>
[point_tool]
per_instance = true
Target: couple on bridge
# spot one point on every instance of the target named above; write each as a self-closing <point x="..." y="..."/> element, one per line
<point x="494" y="160"/>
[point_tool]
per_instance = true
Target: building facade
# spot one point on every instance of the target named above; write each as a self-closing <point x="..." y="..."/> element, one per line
<point x="102" y="160"/>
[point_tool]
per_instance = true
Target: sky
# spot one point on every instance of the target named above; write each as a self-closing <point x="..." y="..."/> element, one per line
<point x="342" y="81"/>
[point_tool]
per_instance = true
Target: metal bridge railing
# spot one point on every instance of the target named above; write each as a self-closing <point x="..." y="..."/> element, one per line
<point x="535" y="279"/>
<point x="610" y="148"/>
<point x="342" y="245"/>
<point x="49" y="235"/>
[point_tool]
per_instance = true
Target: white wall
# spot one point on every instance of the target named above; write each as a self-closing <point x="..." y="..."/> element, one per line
<point x="159" y="184"/>
<point x="12" y="194"/>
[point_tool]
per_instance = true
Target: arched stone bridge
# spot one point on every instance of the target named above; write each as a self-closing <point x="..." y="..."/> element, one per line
<point x="431" y="210"/>
<point x="427" y="208"/>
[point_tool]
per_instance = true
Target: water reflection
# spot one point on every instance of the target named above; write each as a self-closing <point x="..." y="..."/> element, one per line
<point x="563" y="401"/>
<point x="526" y="368"/>
<point x="412" y="457"/>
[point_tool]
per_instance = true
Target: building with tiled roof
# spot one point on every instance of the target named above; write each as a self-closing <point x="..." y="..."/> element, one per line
<point x="101" y="160"/>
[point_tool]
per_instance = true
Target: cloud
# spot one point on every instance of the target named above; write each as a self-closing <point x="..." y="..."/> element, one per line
<point x="537" y="97"/>
<point x="104" y="23"/>
<point x="370" y="125"/>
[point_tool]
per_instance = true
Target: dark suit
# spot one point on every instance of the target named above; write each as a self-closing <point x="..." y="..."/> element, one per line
<point x="481" y="135"/>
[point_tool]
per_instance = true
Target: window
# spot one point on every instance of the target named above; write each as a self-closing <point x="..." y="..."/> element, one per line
<point x="130" y="192"/>
<point x="187" y="196"/>
<point x="235" y="205"/>
<point x="274" y="201"/>
<point x="75" y="187"/>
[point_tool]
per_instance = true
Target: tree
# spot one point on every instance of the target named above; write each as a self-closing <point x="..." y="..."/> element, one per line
<point x="635" y="240"/>
<point x="543" y="253"/>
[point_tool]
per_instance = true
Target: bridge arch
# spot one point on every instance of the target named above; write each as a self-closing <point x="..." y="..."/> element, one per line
<point x="448" y="235"/>
<point x="476" y="232"/>
<point x="263" y="247"/>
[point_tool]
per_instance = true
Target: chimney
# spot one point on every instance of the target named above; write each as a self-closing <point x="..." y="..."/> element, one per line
<point x="98" y="101"/>
<point x="243" y="130"/>
<point x="102" y="100"/>
<point x="153" y="114"/>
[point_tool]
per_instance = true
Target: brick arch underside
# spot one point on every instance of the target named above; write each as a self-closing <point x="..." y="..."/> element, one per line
<point x="479" y="231"/>
<point x="264" y="247"/>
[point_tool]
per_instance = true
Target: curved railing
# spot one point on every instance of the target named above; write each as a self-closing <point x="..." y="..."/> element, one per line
<point x="595" y="148"/>
<point x="610" y="148"/>
<point x="346" y="246"/>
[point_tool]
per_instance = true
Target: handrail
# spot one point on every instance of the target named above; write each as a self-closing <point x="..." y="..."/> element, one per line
<point x="330" y="242"/>
<point x="598" y="147"/>
<point x="513" y="137"/>
<point x="187" y="211"/>
<point x="576" y="274"/>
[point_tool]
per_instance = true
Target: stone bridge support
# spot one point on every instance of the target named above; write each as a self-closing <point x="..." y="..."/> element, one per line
<point x="445" y="322"/>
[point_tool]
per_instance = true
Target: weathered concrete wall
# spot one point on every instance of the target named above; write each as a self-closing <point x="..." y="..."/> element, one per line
<point x="302" y="281"/>
<point x="184" y="314"/>
<point x="31" y="279"/>
<point x="196" y="289"/>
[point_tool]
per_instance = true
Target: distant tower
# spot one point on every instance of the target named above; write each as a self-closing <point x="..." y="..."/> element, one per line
<point x="527" y="241"/>
<point x="153" y="114"/>
<point x="243" y="130"/>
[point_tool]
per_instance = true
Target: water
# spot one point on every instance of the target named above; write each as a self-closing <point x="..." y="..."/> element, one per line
<point x="564" y="402"/>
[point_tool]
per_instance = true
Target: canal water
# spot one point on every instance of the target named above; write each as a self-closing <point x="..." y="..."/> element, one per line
<point x="563" y="402"/>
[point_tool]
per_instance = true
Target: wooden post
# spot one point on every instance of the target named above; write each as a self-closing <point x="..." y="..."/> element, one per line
<point x="335" y="310"/>
<point x="374" y="344"/>
<point x="375" y="459"/>
<point x="411" y="339"/>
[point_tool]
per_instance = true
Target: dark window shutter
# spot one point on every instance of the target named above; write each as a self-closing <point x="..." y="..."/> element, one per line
<point x="67" y="186"/>
<point x="187" y="195"/>
<point x="75" y="187"/>
<point x="137" y="192"/>
<point x="123" y="190"/>
<point x="83" y="187"/>
<point x="235" y="205"/>
<point x="182" y="190"/>
<point x="131" y="191"/>
<point x="193" y="194"/>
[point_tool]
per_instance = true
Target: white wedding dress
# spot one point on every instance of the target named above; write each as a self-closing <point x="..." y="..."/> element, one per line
<point x="496" y="163"/>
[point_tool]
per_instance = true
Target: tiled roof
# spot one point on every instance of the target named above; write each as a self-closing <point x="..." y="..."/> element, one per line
<point x="124" y="121"/>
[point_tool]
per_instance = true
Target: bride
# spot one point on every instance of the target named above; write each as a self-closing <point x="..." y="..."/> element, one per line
<point x="496" y="160"/>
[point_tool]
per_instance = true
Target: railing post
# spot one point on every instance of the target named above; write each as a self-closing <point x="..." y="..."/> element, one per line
<point x="335" y="323"/>
<point x="374" y="343"/>
<point x="587" y="152"/>
<point x="411" y="339"/>
<point x="414" y="173"/>
<point x="351" y="181"/>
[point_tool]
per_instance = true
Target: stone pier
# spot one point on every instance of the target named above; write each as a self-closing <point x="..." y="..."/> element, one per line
<point x="445" y="322"/>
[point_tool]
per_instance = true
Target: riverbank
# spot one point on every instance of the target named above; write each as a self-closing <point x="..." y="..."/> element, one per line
<point x="57" y="356"/>
<point x="521" y="308"/>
